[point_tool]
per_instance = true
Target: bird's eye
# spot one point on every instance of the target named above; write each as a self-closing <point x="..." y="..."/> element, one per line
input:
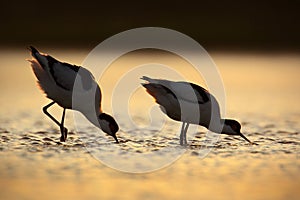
<point x="234" y="127"/>
<point x="111" y="127"/>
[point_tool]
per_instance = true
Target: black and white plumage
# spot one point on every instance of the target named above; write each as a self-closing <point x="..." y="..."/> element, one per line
<point x="190" y="104"/>
<point x="56" y="79"/>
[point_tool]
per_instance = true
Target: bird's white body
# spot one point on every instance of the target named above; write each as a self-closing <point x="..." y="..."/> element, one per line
<point x="71" y="87"/>
<point x="190" y="104"/>
<point x="59" y="85"/>
<point x="49" y="87"/>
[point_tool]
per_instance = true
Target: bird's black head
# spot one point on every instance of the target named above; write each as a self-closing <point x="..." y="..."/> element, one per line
<point x="231" y="127"/>
<point x="109" y="125"/>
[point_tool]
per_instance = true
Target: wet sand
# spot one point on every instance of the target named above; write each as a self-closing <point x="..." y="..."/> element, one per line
<point x="34" y="164"/>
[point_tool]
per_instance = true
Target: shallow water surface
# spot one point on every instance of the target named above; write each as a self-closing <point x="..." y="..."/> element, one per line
<point x="262" y="92"/>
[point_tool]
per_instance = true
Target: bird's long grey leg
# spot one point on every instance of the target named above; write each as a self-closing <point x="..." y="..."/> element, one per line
<point x="181" y="133"/>
<point x="184" y="135"/>
<point x="63" y="130"/>
<point x="51" y="117"/>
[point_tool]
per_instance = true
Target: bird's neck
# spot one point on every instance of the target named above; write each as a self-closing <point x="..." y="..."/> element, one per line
<point x="93" y="117"/>
<point x="216" y="125"/>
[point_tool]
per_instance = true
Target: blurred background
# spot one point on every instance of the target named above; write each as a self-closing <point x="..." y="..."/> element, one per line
<point x="256" y="47"/>
<point x="241" y="25"/>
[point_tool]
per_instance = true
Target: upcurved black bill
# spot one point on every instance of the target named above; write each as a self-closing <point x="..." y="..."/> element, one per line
<point x="245" y="138"/>
<point x="115" y="137"/>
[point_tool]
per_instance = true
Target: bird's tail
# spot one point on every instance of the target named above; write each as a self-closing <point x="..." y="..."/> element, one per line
<point x="40" y="57"/>
<point x="148" y="79"/>
<point x="34" y="52"/>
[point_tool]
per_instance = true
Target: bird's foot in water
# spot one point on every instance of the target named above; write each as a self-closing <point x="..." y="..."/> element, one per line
<point x="183" y="143"/>
<point x="64" y="134"/>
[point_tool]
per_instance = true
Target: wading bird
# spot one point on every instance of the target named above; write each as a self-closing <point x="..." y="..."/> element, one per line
<point x="190" y="104"/>
<point x="56" y="79"/>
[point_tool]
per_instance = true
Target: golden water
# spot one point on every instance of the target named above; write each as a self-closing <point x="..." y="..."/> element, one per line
<point x="262" y="92"/>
